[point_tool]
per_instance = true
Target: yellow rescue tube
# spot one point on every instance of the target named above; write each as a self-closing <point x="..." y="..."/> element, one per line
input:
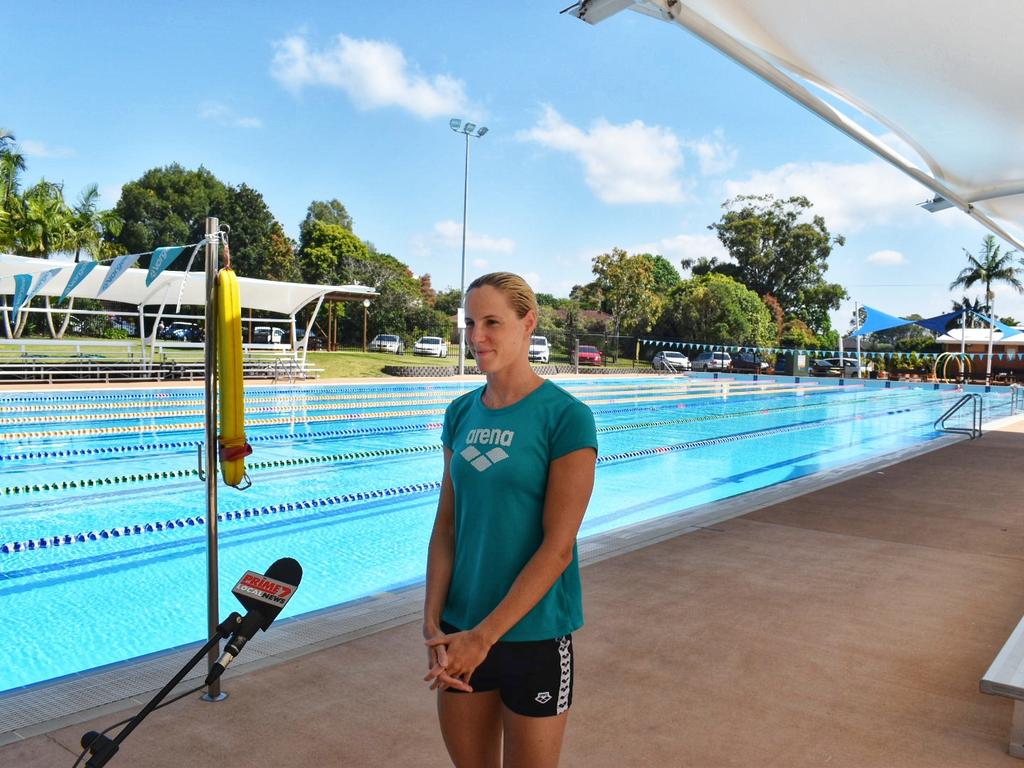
<point x="233" y="447"/>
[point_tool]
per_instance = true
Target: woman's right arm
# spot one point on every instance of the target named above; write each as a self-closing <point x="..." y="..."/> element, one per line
<point x="440" y="561"/>
<point x="440" y="555"/>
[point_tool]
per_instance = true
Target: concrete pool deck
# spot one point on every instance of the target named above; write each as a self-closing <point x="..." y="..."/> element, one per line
<point x="845" y="627"/>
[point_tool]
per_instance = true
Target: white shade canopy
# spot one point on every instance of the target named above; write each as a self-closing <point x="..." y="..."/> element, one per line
<point x="943" y="76"/>
<point x="131" y="288"/>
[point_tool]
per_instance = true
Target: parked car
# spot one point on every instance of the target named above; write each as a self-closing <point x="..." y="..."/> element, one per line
<point x="588" y="356"/>
<point x="540" y="350"/>
<point x="265" y="334"/>
<point x="831" y="366"/>
<point x="181" y="331"/>
<point x="747" y="362"/>
<point x="712" y="361"/>
<point x="314" y="343"/>
<point x="670" y="360"/>
<point x="433" y="346"/>
<point x="387" y="342"/>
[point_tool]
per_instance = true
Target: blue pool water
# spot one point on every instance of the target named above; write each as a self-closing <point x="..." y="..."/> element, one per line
<point x="102" y="541"/>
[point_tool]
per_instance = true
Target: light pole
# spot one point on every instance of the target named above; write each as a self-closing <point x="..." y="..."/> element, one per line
<point x="366" y="312"/>
<point x="466" y="129"/>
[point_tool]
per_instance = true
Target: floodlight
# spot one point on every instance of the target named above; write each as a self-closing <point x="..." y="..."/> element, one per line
<point x="482" y="131"/>
<point x="469" y="127"/>
<point x="454" y="123"/>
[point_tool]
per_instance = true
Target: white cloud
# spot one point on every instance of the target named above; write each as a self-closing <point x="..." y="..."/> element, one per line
<point x="680" y="247"/>
<point x="41" y="150"/>
<point x="533" y="280"/>
<point x="449" y="233"/>
<point x="849" y="197"/>
<point x="374" y="74"/>
<point x="630" y="163"/>
<point x="887" y="258"/>
<point x="481" y="264"/>
<point x="713" y="154"/>
<point x="221" y="114"/>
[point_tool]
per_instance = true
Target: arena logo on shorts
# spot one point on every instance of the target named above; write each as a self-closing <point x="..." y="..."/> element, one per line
<point x="543" y="697"/>
<point x="497" y="437"/>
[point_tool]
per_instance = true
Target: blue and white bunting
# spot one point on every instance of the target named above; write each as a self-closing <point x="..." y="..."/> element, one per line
<point x="161" y="260"/>
<point x="119" y="266"/>
<point x="82" y="270"/>
<point x="22" y="284"/>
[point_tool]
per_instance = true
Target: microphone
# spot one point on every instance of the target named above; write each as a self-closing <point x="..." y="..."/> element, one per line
<point x="263" y="596"/>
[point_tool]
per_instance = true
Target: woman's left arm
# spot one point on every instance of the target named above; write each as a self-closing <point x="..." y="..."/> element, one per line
<point x="570" y="483"/>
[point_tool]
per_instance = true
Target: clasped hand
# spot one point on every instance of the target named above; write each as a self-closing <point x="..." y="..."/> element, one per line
<point x="453" y="659"/>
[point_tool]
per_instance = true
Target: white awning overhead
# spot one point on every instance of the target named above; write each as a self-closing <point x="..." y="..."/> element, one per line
<point x="941" y="75"/>
<point x="131" y="288"/>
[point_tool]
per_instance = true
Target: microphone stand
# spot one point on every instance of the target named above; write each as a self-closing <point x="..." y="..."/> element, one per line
<point x="103" y="748"/>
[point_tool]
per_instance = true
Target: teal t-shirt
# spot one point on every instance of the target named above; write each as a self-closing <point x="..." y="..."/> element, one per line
<point x="499" y="471"/>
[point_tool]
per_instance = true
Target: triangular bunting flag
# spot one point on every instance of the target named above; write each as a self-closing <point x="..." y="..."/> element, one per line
<point x="162" y="258"/>
<point x="22" y="283"/>
<point x="118" y="268"/>
<point x="82" y="270"/>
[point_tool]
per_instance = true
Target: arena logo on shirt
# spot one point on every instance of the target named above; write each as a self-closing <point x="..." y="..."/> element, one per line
<point x="490" y="437"/>
<point x="482" y="461"/>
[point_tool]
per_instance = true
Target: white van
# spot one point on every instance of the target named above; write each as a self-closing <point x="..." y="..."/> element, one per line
<point x="540" y="350"/>
<point x="264" y="334"/>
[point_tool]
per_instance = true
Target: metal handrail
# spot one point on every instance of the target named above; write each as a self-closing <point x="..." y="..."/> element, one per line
<point x="976" y="406"/>
<point x="1016" y="399"/>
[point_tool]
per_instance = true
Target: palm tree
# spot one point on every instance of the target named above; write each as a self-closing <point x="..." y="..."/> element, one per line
<point x="85" y="231"/>
<point x="41" y="224"/>
<point x="11" y="164"/>
<point x="992" y="266"/>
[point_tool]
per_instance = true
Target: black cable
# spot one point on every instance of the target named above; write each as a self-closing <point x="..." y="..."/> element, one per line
<point x="128" y="719"/>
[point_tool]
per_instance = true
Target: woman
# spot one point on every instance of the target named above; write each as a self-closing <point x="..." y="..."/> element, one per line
<point x="503" y="589"/>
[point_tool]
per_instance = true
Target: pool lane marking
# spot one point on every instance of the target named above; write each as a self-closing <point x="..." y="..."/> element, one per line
<point x="664" y="395"/>
<point x="240" y="514"/>
<point x="118" y="531"/>
<point x="319" y="403"/>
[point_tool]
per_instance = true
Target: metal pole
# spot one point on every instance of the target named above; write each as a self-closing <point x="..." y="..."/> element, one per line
<point x="462" y="281"/>
<point x="366" y="313"/>
<point x="213" y="692"/>
<point x="963" y="343"/>
<point x="991" y="328"/>
<point x="860" y="365"/>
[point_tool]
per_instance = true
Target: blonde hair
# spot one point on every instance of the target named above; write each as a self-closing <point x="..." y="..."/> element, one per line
<point x="520" y="295"/>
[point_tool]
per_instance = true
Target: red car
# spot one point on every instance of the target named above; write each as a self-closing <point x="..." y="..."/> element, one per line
<point x="590" y="356"/>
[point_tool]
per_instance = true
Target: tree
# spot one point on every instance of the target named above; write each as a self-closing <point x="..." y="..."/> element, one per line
<point x="427" y="290"/>
<point x="448" y="301"/>
<point x="715" y="309"/>
<point x="627" y="283"/>
<point x="588" y="296"/>
<point x="666" y="277"/>
<point x="87" y="229"/>
<point x="796" y="335"/>
<point x="329" y="253"/>
<point x="169" y="206"/>
<point x="777" y="250"/>
<point x="326" y="212"/>
<point x="259" y="247"/>
<point x="40" y="224"/>
<point x="778" y="316"/>
<point x="990" y="266"/>
<point x="279" y="260"/>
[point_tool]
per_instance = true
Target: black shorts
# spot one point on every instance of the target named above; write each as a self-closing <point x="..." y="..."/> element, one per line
<point x="534" y="677"/>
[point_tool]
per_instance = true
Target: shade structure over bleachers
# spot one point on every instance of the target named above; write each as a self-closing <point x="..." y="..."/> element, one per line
<point x="131" y="288"/>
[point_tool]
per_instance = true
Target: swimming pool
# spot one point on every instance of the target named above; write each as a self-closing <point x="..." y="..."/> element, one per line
<point x="102" y="537"/>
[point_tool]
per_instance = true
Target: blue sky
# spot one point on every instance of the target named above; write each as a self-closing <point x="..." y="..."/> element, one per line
<point x="630" y="134"/>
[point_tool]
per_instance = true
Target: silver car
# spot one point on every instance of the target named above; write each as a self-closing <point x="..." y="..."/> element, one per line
<point x="669" y="360"/>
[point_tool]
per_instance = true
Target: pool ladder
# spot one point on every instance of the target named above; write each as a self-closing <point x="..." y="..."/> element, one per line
<point x="976" y="411"/>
